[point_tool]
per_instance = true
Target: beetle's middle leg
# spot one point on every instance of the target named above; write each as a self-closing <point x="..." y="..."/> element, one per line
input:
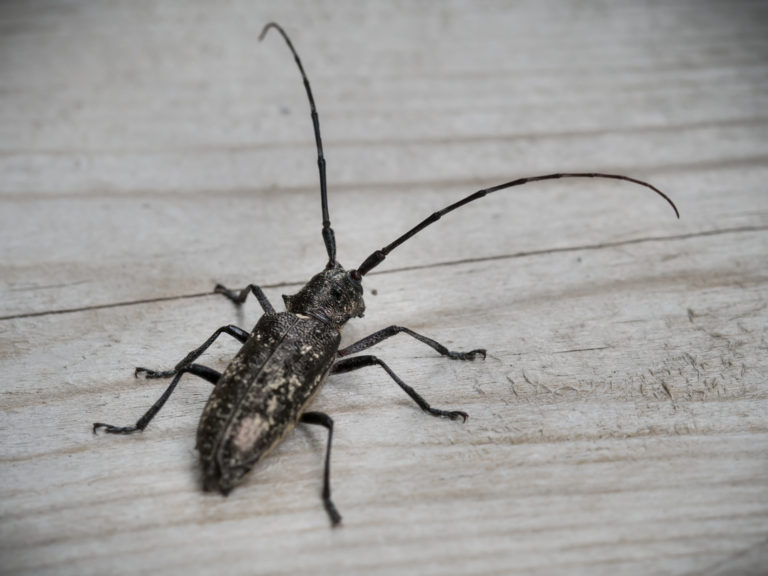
<point x="356" y="362"/>
<point x="232" y="330"/>
<point x="203" y="372"/>
<point x="377" y="337"/>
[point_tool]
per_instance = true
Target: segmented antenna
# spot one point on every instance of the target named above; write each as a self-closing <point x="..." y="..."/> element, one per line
<point x="328" y="237"/>
<point x="378" y="257"/>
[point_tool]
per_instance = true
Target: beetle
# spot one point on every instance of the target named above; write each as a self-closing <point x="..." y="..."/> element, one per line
<point x="284" y="361"/>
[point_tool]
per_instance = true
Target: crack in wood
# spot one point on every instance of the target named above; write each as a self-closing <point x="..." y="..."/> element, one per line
<point x="542" y="252"/>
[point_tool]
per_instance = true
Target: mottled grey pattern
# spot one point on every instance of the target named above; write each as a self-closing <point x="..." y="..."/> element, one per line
<point x="262" y="394"/>
<point x="333" y="294"/>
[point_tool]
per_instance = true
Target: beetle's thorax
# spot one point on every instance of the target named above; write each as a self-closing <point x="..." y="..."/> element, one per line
<point x="333" y="295"/>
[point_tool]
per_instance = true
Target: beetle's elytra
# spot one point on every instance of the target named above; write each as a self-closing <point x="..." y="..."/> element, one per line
<point x="266" y="389"/>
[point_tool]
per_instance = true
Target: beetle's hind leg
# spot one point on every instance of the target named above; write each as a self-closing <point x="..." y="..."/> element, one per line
<point x="377" y="337"/>
<point x="203" y="372"/>
<point x="326" y="421"/>
<point x="232" y="330"/>
<point x="357" y="362"/>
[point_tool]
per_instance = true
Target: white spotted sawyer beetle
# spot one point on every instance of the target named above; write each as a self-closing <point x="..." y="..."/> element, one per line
<point x="265" y="391"/>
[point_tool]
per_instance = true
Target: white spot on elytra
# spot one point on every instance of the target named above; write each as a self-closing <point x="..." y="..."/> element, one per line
<point x="249" y="431"/>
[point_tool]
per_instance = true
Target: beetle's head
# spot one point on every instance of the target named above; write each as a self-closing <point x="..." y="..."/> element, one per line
<point x="335" y="294"/>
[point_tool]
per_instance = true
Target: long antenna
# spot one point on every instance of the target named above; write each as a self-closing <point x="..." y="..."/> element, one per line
<point x="328" y="237"/>
<point x="378" y="257"/>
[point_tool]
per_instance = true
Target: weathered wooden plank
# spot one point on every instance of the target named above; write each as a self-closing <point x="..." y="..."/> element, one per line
<point x="618" y="425"/>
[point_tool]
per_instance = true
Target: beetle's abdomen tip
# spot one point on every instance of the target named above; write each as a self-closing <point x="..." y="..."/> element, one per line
<point x="215" y="484"/>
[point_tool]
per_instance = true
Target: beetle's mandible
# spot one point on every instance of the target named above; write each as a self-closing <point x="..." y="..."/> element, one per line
<point x="266" y="389"/>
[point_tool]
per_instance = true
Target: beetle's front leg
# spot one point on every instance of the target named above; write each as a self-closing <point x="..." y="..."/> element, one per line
<point x="232" y="330"/>
<point x="239" y="297"/>
<point x="349" y="364"/>
<point x="377" y="337"/>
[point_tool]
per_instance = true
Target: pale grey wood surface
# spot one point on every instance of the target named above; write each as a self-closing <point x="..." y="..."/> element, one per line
<point x="618" y="425"/>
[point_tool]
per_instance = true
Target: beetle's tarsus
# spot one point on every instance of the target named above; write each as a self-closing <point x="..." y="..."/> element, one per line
<point x="150" y="374"/>
<point x="459" y="414"/>
<point x="450" y="414"/>
<point x="109" y="429"/>
<point x="471" y="355"/>
<point x="333" y="514"/>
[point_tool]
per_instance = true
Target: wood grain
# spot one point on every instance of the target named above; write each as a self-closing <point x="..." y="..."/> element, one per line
<point x="618" y="425"/>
